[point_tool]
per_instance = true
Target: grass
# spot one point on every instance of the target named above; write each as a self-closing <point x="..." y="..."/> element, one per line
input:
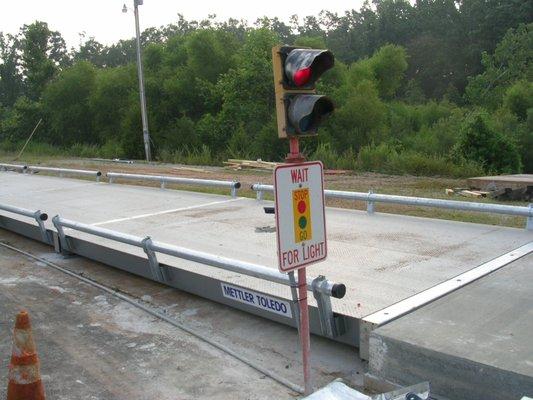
<point x="382" y="158"/>
<point x="385" y="158"/>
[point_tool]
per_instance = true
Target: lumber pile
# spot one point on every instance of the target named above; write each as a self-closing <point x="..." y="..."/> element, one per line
<point x="259" y="164"/>
<point x="235" y="164"/>
<point x="469" y="193"/>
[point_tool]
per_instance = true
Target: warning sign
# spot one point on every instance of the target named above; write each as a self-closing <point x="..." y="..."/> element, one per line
<point x="300" y="216"/>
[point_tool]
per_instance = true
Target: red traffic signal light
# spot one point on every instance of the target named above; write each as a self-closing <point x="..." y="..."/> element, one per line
<point x="303" y="67"/>
<point x="296" y="70"/>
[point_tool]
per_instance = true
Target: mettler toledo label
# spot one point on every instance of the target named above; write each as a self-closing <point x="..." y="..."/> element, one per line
<point x="267" y="303"/>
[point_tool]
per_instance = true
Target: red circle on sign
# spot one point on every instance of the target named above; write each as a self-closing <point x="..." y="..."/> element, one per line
<point x="301" y="206"/>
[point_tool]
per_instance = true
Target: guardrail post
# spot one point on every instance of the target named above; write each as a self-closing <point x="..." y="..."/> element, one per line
<point x="63" y="245"/>
<point x="370" y="203"/>
<point x="157" y="272"/>
<point x="162" y="183"/>
<point x="234" y="189"/>
<point x="110" y="179"/>
<point x="529" y="221"/>
<point x="40" y="218"/>
<point x="259" y="194"/>
<point x="330" y="325"/>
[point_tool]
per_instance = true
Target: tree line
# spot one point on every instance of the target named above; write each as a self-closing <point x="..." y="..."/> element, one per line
<point x="438" y="87"/>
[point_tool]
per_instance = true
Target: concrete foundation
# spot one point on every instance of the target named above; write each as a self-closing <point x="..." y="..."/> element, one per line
<point x="474" y="344"/>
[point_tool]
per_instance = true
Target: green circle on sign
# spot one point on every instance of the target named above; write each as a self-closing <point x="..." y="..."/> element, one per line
<point x="302" y="222"/>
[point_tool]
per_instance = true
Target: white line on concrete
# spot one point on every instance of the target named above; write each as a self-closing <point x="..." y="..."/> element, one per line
<point x="111" y="221"/>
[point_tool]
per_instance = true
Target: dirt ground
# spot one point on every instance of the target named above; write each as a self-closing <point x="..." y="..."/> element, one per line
<point x="432" y="187"/>
<point x="93" y="345"/>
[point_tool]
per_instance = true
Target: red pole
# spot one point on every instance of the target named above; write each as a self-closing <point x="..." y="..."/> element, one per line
<point x="305" y="338"/>
<point x="294" y="156"/>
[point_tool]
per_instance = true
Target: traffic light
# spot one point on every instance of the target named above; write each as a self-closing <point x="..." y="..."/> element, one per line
<point x="299" y="109"/>
<point x="301" y="206"/>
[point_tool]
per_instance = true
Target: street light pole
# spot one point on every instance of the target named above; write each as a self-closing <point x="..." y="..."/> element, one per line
<point x="144" y="116"/>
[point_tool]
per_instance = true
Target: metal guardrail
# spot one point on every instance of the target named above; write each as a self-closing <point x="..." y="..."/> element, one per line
<point x="164" y="179"/>
<point x="370" y="198"/>
<point x="39" y="217"/>
<point x="322" y="289"/>
<point x="16" y="167"/>
<point x="66" y="171"/>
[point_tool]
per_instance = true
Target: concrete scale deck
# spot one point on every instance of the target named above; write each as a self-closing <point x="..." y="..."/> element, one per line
<point x="474" y="344"/>
<point x="382" y="258"/>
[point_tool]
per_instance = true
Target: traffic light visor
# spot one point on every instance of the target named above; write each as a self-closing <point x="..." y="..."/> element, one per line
<point x="303" y="67"/>
<point x="307" y="111"/>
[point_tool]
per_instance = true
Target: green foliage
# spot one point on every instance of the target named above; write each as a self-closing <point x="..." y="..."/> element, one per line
<point x="315" y="42"/>
<point x="519" y="99"/>
<point x="479" y="142"/>
<point x="114" y="90"/>
<point x="43" y="52"/>
<point x="386" y="158"/>
<point x="201" y="156"/>
<point x="398" y="84"/>
<point x="388" y="65"/>
<point x="359" y="119"/>
<point x="247" y="90"/>
<point x="66" y="101"/>
<point x="10" y="74"/>
<point x="239" y="144"/>
<point x="19" y="122"/>
<point x="376" y="158"/>
<point x="512" y="61"/>
<point x="209" y="54"/>
<point x="325" y="153"/>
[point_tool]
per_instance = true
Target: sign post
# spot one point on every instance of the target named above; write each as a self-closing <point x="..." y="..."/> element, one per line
<point x="299" y="201"/>
<point x="301" y="232"/>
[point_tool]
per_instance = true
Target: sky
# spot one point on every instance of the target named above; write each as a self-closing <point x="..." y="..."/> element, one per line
<point x="104" y="20"/>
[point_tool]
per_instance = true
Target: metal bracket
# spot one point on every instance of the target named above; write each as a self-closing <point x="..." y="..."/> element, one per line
<point x="331" y="325"/>
<point x="369" y="203"/>
<point x="40" y="218"/>
<point x="158" y="273"/>
<point x="63" y="245"/>
<point x="259" y="194"/>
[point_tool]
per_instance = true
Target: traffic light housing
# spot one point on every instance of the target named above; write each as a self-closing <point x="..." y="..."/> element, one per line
<point x="296" y="70"/>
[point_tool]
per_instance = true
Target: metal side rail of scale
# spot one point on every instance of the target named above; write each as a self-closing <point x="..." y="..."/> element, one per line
<point x="323" y="320"/>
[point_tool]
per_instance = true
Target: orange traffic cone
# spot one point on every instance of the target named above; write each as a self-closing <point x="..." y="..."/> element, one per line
<point x="24" y="376"/>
